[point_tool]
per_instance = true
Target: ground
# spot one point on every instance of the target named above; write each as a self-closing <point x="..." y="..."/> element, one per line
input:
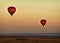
<point x="30" y="40"/>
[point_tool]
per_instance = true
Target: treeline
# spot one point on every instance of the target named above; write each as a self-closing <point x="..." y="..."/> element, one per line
<point x="26" y="36"/>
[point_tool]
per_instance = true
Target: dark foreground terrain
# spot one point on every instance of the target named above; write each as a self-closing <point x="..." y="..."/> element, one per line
<point x="30" y="40"/>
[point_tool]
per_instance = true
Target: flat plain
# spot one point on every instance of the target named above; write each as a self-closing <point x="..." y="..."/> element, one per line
<point x="30" y="40"/>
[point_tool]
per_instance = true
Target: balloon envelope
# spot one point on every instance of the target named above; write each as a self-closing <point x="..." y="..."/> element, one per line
<point x="11" y="10"/>
<point x="43" y="22"/>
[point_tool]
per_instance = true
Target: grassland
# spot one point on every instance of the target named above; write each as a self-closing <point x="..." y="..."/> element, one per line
<point x="30" y="39"/>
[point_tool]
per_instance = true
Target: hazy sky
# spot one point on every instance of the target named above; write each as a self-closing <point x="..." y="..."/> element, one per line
<point x="28" y="14"/>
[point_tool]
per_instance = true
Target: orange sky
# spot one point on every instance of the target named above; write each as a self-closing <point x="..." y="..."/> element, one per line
<point x="28" y="14"/>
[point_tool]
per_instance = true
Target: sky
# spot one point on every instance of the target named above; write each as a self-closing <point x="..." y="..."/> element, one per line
<point x="28" y="14"/>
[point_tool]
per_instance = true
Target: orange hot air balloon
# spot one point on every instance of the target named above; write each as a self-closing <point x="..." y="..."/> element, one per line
<point x="11" y="10"/>
<point x="43" y="22"/>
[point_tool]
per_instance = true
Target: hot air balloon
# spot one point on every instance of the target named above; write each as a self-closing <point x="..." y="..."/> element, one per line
<point x="11" y="10"/>
<point x="43" y="22"/>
